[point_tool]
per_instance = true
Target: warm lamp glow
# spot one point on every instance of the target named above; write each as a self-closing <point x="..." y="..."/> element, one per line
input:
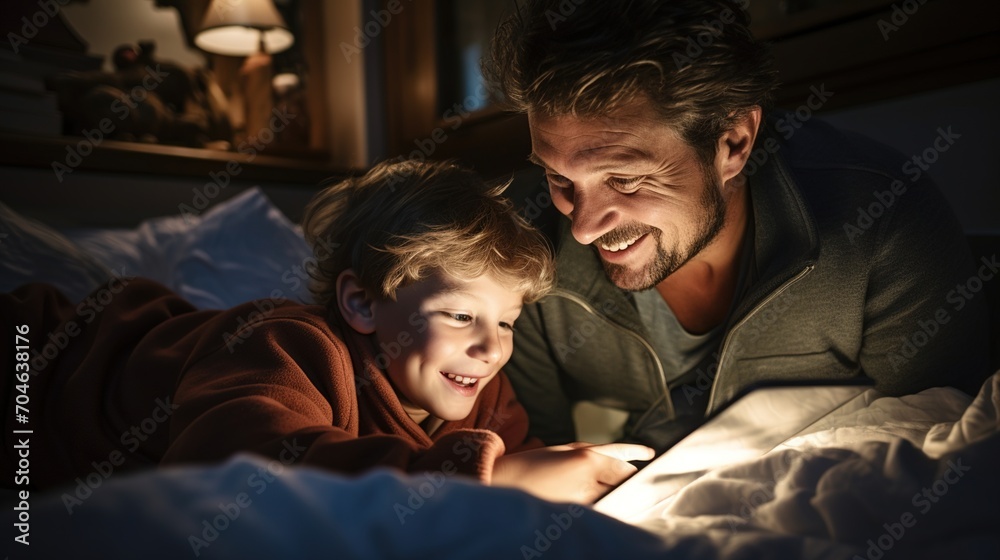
<point x="243" y="27"/>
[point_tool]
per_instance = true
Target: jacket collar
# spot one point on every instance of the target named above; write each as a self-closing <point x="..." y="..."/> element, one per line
<point x="378" y="406"/>
<point x="786" y="238"/>
<point x="379" y="409"/>
<point x="580" y="271"/>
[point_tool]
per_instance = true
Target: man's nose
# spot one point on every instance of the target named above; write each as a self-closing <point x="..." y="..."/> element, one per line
<point x="593" y="214"/>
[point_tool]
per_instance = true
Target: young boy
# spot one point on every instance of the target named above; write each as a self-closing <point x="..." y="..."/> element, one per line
<point x="422" y="271"/>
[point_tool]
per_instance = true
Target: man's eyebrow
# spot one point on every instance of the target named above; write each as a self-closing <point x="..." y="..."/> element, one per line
<point x="613" y="156"/>
<point x="618" y="158"/>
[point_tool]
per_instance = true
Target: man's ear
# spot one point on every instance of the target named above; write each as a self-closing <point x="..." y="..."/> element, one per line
<point x="356" y="304"/>
<point x="736" y="144"/>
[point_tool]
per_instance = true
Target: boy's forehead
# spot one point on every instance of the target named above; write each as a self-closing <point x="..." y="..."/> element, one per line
<point x="446" y="286"/>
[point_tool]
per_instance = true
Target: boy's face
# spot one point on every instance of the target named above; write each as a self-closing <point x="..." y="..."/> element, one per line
<point x="445" y="339"/>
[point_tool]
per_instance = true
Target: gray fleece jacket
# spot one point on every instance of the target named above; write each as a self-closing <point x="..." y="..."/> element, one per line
<point x="860" y="269"/>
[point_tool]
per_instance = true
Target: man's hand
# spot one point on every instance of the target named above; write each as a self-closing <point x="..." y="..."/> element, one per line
<point x="577" y="472"/>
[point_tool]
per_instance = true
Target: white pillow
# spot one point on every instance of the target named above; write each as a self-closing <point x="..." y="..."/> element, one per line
<point x="241" y="249"/>
<point x="33" y="252"/>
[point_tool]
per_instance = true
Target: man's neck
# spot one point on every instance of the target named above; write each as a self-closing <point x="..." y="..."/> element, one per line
<point x="701" y="292"/>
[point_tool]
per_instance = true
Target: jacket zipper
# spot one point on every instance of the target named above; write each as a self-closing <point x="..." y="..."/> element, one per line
<point x="730" y="335"/>
<point x="669" y="405"/>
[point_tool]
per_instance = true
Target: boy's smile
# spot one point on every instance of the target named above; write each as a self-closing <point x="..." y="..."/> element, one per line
<point x="459" y="334"/>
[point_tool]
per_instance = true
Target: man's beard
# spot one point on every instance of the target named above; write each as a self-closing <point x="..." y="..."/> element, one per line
<point x="666" y="262"/>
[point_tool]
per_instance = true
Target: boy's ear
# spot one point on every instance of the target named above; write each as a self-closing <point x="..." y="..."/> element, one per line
<point x="357" y="307"/>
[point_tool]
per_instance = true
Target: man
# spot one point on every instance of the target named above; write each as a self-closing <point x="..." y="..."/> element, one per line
<point x="689" y="270"/>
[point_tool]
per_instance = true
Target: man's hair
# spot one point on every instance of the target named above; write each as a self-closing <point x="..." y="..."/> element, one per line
<point x="695" y="59"/>
<point x="403" y="221"/>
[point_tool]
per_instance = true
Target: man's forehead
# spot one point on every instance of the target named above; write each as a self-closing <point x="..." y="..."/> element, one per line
<point x="598" y="156"/>
<point x="608" y="142"/>
<point x="639" y="111"/>
<point x="600" y="130"/>
<point x="630" y="128"/>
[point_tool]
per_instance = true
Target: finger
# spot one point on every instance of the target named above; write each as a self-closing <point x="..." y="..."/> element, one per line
<point x="625" y="451"/>
<point x="615" y="472"/>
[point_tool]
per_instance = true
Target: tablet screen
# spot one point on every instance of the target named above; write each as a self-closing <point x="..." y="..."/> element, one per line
<point x="746" y="429"/>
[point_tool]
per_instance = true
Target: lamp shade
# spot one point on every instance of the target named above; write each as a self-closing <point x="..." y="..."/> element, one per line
<point x="243" y="27"/>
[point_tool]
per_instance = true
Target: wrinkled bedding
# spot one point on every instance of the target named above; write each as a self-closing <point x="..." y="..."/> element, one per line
<point x="241" y="249"/>
<point x="910" y="477"/>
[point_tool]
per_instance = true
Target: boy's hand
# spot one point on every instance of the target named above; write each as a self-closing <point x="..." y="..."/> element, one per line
<point x="577" y="472"/>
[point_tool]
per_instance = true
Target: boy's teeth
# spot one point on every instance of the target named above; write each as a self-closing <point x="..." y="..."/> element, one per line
<point x="461" y="379"/>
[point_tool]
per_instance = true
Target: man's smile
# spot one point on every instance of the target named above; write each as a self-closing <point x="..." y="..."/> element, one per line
<point x="619" y="246"/>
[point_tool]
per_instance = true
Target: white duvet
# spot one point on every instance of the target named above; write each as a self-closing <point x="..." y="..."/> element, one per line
<point x="910" y="477"/>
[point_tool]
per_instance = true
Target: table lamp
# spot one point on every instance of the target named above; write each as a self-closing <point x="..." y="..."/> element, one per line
<point x="253" y="29"/>
<point x="243" y="28"/>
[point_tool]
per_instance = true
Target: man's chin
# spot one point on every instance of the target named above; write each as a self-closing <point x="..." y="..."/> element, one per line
<point x="630" y="279"/>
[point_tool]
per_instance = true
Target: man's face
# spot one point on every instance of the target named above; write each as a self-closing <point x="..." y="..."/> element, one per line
<point x="632" y="188"/>
<point x="458" y="334"/>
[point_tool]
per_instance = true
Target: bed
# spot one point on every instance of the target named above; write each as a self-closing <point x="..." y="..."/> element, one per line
<point x="909" y="477"/>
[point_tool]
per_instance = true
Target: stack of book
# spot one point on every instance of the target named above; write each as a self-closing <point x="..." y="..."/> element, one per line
<point x="39" y="45"/>
<point x="25" y="106"/>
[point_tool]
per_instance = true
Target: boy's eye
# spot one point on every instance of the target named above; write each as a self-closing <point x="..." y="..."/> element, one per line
<point x="507" y="326"/>
<point x="625" y="184"/>
<point x="460" y="317"/>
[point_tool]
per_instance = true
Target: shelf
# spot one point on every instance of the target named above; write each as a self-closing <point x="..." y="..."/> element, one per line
<point x="78" y="153"/>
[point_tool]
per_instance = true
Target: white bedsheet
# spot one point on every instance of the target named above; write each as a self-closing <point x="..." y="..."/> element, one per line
<point x="910" y="477"/>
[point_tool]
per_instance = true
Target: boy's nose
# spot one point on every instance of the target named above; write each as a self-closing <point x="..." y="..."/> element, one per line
<point x="488" y="347"/>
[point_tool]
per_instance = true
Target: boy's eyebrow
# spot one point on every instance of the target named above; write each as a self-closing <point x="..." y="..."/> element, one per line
<point x="458" y="290"/>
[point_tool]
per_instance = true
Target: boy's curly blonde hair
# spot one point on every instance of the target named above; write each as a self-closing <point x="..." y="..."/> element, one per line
<point x="403" y="221"/>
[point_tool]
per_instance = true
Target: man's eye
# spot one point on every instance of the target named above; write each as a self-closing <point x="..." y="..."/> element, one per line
<point x="625" y="183"/>
<point x="558" y="181"/>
